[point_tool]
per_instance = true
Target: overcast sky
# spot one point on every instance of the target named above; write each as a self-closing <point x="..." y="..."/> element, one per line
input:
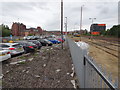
<point x="47" y="14"/>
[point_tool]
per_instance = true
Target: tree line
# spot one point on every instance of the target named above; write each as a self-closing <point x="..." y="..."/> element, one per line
<point x="4" y="30"/>
<point x="114" y="31"/>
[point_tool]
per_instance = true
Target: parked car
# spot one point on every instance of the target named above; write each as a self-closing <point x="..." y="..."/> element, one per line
<point x="45" y="42"/>
<point x="39" y="45"/>
<point x="52" y="36"/>
<point x="36" y="37"/>
<point x="4" y="55"/>
<point x="53" y="40"/>
<point x="25" y="38"/>
<point x="14" y="48"/>
<point x="34" y="45"/>
<point x="60" y="39"/>
<point x="28" y="47"/>
<point x="28" y="38"/>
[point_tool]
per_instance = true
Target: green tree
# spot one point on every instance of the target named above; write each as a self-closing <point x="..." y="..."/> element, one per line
<point x="4" y="30"/>
<point x="30" y="34"/>
<point x="114" y="31"/>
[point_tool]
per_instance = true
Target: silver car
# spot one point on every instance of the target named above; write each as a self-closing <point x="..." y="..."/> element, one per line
<point x="4" y="55"/>
<point x="14" y="48"/>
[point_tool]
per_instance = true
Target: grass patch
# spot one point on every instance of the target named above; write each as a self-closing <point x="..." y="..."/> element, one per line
<point x="35" y="54"/>
<point x="22" y="57"/>
<point x="21" y="63"/>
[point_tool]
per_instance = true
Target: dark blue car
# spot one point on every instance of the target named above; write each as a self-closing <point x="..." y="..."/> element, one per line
<point x="54" y="41"/>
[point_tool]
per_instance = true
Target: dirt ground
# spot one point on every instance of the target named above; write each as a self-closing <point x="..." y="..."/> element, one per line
<point x="108" y="62"/>
<point x="49" y="67"/>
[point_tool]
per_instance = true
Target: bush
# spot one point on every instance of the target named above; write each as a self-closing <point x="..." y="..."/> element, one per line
<point x="30" y="34"/>
<point x="4" y="29"/>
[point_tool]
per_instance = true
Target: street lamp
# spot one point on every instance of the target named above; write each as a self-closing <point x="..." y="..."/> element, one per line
<point x="92" y="19"/>
<point x="92" y="23"/>
<point x="81" y="20"/>
<point x="66" y="26"/>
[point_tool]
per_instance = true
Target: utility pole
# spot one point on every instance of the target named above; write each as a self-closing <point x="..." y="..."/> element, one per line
<point x="62" y="23"/>
<point x="81" y="20"/>
<point x="66" y="26"/>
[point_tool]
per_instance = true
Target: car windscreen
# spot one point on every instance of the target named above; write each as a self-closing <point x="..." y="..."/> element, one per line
<point x="17" y="45"/>
<point x="4" y="46"/>
<point x="30" y="43"/>
<point x="47" y="40"/>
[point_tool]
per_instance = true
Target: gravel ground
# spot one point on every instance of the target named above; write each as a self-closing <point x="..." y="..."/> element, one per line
<point x="49" y="67"/>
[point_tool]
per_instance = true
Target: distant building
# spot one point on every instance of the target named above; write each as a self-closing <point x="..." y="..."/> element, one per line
<point x="80" y="31"/>
<point x="19" y="29"/>
<point x="95" y="29"/>
<point x="83" y="31"/>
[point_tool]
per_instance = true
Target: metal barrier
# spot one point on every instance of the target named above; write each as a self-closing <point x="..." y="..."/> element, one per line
<point x="89" y="74"/>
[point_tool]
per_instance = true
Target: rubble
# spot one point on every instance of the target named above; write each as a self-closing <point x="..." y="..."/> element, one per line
<point x="73" y="82"/>
<point x="37" y="76"/>
<point x="18" y="62"/>
<point x="58" y="70"/>
<point x="30" y="59"/>
<point x="44" y="65"/>
<point x="41" y="71"/>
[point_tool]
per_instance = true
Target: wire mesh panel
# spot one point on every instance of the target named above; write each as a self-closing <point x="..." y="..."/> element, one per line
<point x="88" y="73"/>
<point x="94" y="78"/>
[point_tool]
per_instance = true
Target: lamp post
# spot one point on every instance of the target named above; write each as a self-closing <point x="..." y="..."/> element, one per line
<point x="92" y="19"/>
<point x="92" y="24"/>
<point x="81" y="19"/>
<point x="66" y="26"/>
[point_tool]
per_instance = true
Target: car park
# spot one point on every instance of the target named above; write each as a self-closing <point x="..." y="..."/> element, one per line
<point x="28" y="47"/>
<point x="45" y="42"/>
<point x="39" y="45"/>
<point x="14" y="48"/>
<point x="4" y="55"/>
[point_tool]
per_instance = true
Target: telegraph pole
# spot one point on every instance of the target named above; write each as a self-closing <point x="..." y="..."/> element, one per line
<point x="62" y="23"/>
<point x="66" y="26"/>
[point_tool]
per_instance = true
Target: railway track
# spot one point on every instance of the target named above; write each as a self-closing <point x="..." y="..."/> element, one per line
<point x="110" y="41"/>
<point x="99" y="47"/>
<point x="104" y="46"/>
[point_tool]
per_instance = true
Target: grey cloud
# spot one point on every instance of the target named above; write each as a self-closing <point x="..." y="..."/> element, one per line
<point x="105" y="10"/>
<point x="16" y="6"/>
<point x="47" y="15"/>
<point x="13" y="6"/>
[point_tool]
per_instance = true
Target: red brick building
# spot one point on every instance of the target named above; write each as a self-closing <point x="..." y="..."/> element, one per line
<point x="19" y="29"/>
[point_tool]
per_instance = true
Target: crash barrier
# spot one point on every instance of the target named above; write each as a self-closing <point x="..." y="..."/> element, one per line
<point x="89" y="74"/>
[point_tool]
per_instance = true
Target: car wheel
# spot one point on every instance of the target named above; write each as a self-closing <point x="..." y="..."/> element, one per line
<point x="6" y="61"/>
<point x="25" y="51"/>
